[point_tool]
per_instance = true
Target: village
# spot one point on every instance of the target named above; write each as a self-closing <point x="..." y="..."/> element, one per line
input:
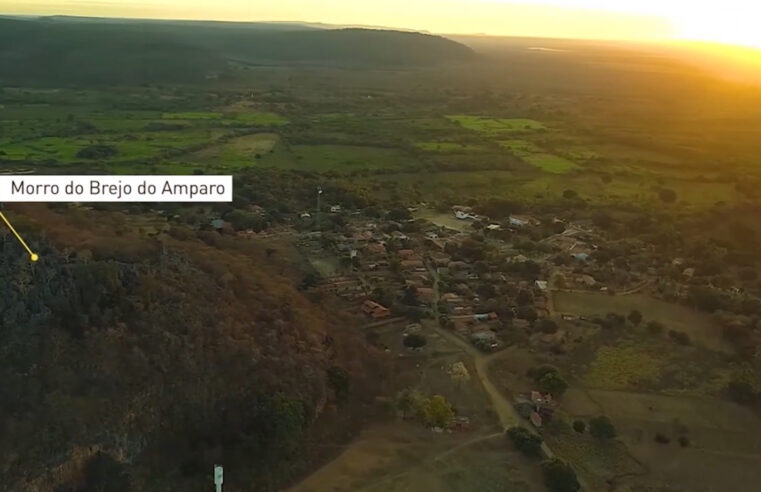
<point x="484" y="280"/>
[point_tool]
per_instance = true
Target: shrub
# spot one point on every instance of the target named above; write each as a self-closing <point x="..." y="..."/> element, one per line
<point x="559" y="476"/>
<point x="684" y="441"/>
<point x="602" y="428"/>
<point x="679" y="337"/>
<point x="553" y="383"/>
<point x="579" y="426"/>
<point x="526" y="441"/>
<point x="667" y="195"/>
<point x="655" y="327"/>
<point x="635" y="317"/>
<point x="415" y="341"/>
<point x="99" y="151"/>
<point x="548" y="326"/>
<point x="662" y="438"/>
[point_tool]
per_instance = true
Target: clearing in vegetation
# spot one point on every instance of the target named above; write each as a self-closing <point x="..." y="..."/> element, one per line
<point x="622" y="368"/>
<point x="237" y="152"/>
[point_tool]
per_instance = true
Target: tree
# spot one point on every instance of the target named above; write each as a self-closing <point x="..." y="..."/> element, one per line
<point x="438" y="412"/>
<point x="655" y="327"/>
<point x="528" y="313"/>
<point x="667" y="195"/>
<point x="741" y="391"/>
<point x="662" y="438"/>
<point x="415" y="341"/>
<point x="526" y="441"/>
<point x="103" y="472"/>
<point x="399" y="213"/>
<point x="339" y="381"/>
<point x="553" y="383"/>
<point x="602" y="428"/>
<point x="679" y="337"/>
<point x="635" y="317"/>
<point x="579" y="426"/>
<point x="548" y="326"/>
<point x="410" y="402"/>
<point x="570" y="194"/>
<point x="559" y="476"/>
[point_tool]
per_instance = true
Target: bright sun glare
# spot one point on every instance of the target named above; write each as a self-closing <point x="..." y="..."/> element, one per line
<point x="740" y="26"/>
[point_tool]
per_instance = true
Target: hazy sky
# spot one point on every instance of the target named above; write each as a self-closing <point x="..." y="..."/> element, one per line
<point x="732" y="21"/>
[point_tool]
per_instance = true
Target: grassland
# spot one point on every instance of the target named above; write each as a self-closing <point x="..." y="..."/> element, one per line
<point x="342" y="159"/>
<point x="623" y="367"/>
<point x="698" y="326"/>
<point x="535" y="156"/>
<point x="52" y="135"/>
<point x="448" y="147"/>
<point x="236" y="153"/>
<point x="496" y="126"/>
<point x="721" y="453"/>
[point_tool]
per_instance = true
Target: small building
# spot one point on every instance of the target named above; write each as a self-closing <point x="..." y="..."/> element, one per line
<point x="583" y="257"/>
<point x="541" y="285"/>
<point x="375" y="310"/>
<point x="425" y="294"/>
<point x="539" y="398"/>
<point x="405" y="254"/>
<point x="493" y="227"/>
<point x="536" y="419"/>
<point x="516" y="222"/>
<point x="334" y="209"/>
<point x="460" y="423"/>
<point x="412" y="264"/>
<point x="376" y="249"/>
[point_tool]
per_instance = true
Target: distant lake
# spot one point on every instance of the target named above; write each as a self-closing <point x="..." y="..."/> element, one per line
<point x="551" y="50"/>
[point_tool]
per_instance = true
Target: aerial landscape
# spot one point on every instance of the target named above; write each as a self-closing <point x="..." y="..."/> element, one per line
<point x="452" y="262"/>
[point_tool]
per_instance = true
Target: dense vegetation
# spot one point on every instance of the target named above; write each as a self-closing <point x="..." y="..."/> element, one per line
<point x="137" y="367"/>
<point x="70" y="51"/>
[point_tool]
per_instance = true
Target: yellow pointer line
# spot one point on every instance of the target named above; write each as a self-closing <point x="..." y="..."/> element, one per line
<point x="32" y="255"/>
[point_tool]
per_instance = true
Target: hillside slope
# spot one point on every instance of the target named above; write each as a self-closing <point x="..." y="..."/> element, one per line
<point x="52" y="51"/>
<point x="133" y="364"/>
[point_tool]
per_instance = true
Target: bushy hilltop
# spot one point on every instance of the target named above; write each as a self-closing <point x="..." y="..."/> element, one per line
<point x="56" y="51"/>
<point x="129" y="364"/>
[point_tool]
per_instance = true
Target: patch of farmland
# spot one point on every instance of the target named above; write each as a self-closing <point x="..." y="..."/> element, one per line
<point x="697" y="325"/>
<point x="495" y="126"/>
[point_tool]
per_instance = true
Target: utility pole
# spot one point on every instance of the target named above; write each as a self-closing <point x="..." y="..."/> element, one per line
<point x="319" y="194"/>
<point x="218" y="477"/>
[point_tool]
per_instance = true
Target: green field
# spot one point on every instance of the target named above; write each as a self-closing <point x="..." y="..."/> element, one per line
<point x="237" y="152"/>
<point x="535" y="156"/>
<point x="623" y="367"/>
<point x="448" y="147"/>
<point x="337" y="158"/>
<point x="133" y="146"/>
<point x="192" y="116"/>
<point x="495" y="126"/>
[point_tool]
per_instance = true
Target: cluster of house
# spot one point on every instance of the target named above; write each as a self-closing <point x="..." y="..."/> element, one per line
<point x="404" y="262"/>
<point x="535" y="406"/>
